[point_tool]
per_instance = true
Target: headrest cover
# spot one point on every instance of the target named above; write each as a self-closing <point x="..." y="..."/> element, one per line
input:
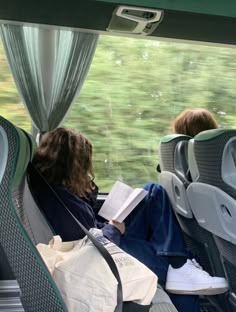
<point x="211" y="134"/>
<point x="167" y="150"/>
<point x="171" y="137"/>
<point x="214" y="152"/>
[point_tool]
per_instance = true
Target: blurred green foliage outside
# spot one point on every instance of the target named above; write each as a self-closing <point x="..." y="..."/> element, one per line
<point x="133" y="91"/>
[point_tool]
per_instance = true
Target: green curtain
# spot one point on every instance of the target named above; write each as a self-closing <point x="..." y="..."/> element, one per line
<point x="49" y="68"/>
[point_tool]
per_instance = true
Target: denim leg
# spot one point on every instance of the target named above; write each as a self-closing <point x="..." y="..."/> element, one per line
<point x="143" y="251"/>
<point x="154" y="220"/>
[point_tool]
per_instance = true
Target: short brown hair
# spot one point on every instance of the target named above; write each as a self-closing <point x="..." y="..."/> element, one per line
<point x="65" y="157"/>
<point x="192" y="121"/>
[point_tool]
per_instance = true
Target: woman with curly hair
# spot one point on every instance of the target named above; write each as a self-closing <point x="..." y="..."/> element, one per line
<point x="64" y="158"/>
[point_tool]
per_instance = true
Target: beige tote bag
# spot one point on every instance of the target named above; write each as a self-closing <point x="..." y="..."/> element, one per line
<point x="85" y="280"/>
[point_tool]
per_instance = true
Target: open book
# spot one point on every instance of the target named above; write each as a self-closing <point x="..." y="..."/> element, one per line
<point x="121" y="200"/>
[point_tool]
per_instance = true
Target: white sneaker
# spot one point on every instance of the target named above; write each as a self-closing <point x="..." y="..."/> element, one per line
<point x="192" y="279"/>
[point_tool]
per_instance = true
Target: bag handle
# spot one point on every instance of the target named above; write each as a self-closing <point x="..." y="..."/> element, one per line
<point x="102" y="250"/>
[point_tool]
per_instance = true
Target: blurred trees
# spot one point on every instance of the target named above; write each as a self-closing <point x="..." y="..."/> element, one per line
<point x="132" y="93"/>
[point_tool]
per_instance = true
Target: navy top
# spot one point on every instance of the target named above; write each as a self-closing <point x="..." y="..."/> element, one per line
<point x="60" y="219"/>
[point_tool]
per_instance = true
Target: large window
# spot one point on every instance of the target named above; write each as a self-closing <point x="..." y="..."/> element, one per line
<point x="133" y="91"/>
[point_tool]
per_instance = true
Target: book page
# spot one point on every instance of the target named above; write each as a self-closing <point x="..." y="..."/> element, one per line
<point x="115" y="199"/>
<point x="133" y="200"/>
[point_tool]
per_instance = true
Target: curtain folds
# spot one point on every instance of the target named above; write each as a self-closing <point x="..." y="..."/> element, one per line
<point x="49" y="68"/>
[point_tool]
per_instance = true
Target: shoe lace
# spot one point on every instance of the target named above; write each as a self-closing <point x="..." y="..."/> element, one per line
<point x="195" y="266"/>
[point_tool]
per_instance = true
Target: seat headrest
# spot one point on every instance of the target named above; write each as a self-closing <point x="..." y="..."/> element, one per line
<point x="167" y="150"/>
<point x="215" y="156"/>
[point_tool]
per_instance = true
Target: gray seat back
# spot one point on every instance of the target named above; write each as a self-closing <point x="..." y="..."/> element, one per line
<point x="174" y="178"/>
<point x="212" y="195"/>
<point x="174" y="168"/>
<point x="214" y="210"/>
<point x="32" y="218"/>
<point x="17" y="237"/>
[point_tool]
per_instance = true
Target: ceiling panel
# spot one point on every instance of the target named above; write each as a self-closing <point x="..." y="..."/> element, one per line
<point x="95" y="15"/>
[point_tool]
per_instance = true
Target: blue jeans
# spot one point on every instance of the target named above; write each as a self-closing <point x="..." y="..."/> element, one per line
<point x="152" y="235"/>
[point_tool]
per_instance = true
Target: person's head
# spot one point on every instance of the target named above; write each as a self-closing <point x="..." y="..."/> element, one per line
<point x="192" y="121"/>
<point x="65" y="157"/>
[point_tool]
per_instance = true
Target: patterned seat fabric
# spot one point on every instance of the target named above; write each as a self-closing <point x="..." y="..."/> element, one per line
<point x="213" y="195"/>
<point x="39" y="292"/>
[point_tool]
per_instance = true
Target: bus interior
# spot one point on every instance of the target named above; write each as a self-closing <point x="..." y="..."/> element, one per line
<point x="119" y="72"/>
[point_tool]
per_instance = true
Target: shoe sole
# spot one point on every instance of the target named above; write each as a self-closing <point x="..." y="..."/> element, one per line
<point x="196" y="289"/>
<point x="201" y="292"/>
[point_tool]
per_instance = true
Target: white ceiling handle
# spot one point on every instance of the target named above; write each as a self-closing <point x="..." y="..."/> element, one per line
<point x="146" y="19"/>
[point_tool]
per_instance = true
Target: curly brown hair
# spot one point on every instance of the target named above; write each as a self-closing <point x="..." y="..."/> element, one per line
<point x="64" y="157"/>
<point x="192" y="121"/>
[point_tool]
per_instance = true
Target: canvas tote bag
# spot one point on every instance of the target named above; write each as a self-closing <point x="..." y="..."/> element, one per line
<point x="85" y="280"/>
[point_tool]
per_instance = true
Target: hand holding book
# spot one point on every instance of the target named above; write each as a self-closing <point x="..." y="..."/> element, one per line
<point x="119" y="226"/>
<point x="121" y="201"/>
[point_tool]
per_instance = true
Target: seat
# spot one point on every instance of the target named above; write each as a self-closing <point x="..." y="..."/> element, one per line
<point x="213" y="194"/>
<point x="23" y="225"/>
<point x="176" y="180"/>
<point x="174" y="171"/>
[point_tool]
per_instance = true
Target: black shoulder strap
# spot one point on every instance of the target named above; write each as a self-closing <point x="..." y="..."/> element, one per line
<point x="108" y="258"/>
